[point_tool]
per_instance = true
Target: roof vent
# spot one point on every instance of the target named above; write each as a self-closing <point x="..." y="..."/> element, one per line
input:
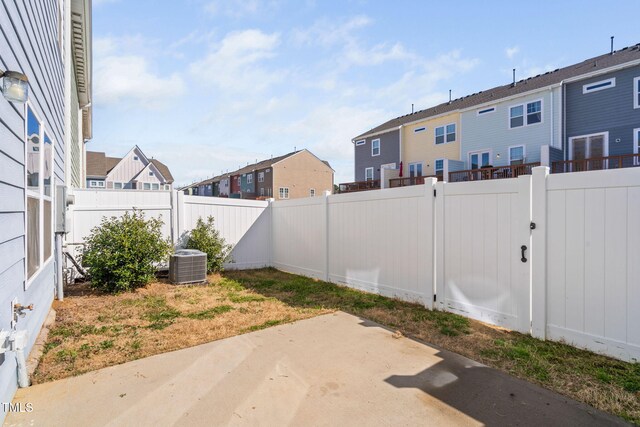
<point x="612" y="45"/>
<point x="514" y="78"/>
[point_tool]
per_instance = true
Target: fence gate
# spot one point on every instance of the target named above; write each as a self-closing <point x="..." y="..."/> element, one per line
<point x="483" y="251"/>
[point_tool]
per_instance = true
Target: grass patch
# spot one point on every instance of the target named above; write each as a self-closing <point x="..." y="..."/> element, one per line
<point x="267" y="324"/>
<point x="210" y="313"/>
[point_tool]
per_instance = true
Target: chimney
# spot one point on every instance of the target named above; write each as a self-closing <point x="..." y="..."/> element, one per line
<point x="612" y="44"/>
<point x="411" y="108"/>
<point x="514" y="78"/>
<point x="449" y="96"/>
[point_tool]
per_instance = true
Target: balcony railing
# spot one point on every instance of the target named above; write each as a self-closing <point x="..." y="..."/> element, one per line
<point x="596" y="163"/>
<point x="350" y="187"/>
<point x="410" y="180"/>
<point x="485" y="173"/>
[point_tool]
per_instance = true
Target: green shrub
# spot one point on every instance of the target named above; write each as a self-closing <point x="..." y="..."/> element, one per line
<point x="207" y="239"/>
<point x="121" y="254"/>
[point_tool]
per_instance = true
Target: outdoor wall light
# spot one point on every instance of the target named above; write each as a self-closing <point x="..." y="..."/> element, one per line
<point x="15" y="86"/>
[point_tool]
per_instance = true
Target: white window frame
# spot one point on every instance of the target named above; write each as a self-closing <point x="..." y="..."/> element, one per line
<point x="156" y="187"/>
<point x="283" y="192"/>
<point x="606" y="143"/>
<point x="636" y="92"/>
<point x="94" y="183"/>
<point x="260" y="176"/>
<point x="144" y="186"/>
<point x="525" y="116"/>
<point x="480" y="153"/>
<point x="524" y="152"/>
<point x="420" y="129"/>
<point x="250" y="178"/>
<point x="312" y="192"/>
<point x="636" y="144"/>
<point x="435" y="170"/>
<point x="445" y="134"/>
<point x="361" y="142"/>
<point x="415" y="164"/>
<point x="167" y="187"/>
<point x="585" y="88"/>
<point x="261" y="191"/>
<point x="115" y="185"/>
<point x="39" y="196"/>
<point x="373" y="141"/>
<point x="373" y="176"/>
<point x="485" y="111"/>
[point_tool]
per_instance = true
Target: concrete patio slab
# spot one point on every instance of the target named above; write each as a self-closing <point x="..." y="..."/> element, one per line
<point x="335" y="369"/>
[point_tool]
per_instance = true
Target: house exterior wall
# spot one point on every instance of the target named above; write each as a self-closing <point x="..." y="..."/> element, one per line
<point x="223" y="187"/>
<point x="29" y="44"/>
<point x="128" y="167"/>
<point x="389" y="153"/>
<point x="609" y="110"/>
<point x="420" y="147"/>
<point x="235" y="187"/>
<point x="300" y="173"/>
<point x="491" y="131"/>
<point x="248" y="188"/>
<point x="145" y="177"/>
<point x="265" y="188"/>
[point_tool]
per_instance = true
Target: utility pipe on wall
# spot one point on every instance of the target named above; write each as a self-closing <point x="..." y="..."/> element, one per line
<point x="59" y="261"/>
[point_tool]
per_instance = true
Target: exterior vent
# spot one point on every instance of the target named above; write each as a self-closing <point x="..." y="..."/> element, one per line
<point x="188" y="266"/>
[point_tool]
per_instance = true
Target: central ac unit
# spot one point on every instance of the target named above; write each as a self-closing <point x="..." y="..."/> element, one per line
<point x="188" y="266"/>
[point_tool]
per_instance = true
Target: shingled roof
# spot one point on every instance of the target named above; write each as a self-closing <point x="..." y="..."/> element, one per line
<point x="598" y="63"/>
<point x="99" y="165"/>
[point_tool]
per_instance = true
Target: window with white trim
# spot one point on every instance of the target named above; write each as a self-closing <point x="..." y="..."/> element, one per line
<point x="516" y="155"/>
<point x="636" y="92"/>
<point x="39" y="180"/>
<point x="284" y="192"/>
<point x="368" y="174"/>
<point x="525" y="114"/>
<point x="135" y="158"/>
<point x="600" y="85"/>
<point x="147" y="186"/>
<point x="445" y="133"/>
<point x="361" y="142"/>
<point x="167" y="187"/>
<point x="484" y="111"/>
<point x="312" y="192"/>
<point x="375" y="147"/>
<point x="96" y="184"/>
<point x="117" y="186"/>
<point x="636" y="146"/>
<point x="250" y="178"/>
<point x="156" y="186"/>
<point x="262" y="191"/>
<point x="438" y="166"/>
<point x="260" y="176"/>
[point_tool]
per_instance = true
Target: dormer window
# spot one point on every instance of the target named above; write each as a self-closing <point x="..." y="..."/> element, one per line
<point x="150" y="173"/>
<point x="135" y="158"/>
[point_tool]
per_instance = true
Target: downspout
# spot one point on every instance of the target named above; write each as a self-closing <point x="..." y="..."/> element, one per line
<point x="400" y="143"/>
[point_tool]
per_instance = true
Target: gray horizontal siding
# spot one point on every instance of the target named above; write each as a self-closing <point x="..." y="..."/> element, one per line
<point x="28" y="44"/>
<point x="609" y="110"/>
<point x="389" y="153"/>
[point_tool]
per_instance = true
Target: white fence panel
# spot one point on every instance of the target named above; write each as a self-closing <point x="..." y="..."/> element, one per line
<point x="299" y="236"/>
<point x="91" y="206"/>
<point x="382" y="241"/>
<point x="482" y="228"/>
<point x="593" y="273"/>
<point x="244" y="224"/>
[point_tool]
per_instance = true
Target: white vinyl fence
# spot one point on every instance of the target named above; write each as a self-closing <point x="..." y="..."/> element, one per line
<point x="551" y="255"/>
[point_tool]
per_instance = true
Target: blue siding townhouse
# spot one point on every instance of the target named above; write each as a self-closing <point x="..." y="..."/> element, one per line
<point x="41" y="146"/>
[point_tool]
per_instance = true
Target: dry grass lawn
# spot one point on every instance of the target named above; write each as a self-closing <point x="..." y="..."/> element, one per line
<point x="93" y="331"/>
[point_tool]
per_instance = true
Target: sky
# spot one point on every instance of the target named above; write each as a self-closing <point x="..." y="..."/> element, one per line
<point x="207" y="86"/>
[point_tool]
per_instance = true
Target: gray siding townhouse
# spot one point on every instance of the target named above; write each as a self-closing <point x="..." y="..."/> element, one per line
<point x="603" y="116"/>
<point x="41" y="147"/>
<point x="375" y="149"/>
<point x="134" y="171"/>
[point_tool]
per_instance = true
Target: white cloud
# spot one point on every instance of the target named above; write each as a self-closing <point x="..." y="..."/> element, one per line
<point x="235" y="64"/>
<point x="126" y="78"/>
<point x="240" y="8"/>
<point x="511" y="51"/>
<point x="327" y="34"/>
